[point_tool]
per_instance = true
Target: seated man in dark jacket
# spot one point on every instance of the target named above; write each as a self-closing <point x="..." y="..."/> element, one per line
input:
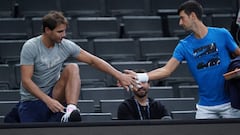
<point x="140" y="106"/>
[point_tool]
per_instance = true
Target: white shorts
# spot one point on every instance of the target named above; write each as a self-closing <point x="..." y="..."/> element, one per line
<point x="218" y="111"/>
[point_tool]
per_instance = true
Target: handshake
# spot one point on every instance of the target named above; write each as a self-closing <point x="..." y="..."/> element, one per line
<point x="138" y="79"/>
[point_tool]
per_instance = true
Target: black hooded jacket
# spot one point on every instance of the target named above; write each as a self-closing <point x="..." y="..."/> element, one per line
<point x="128" y="110"/>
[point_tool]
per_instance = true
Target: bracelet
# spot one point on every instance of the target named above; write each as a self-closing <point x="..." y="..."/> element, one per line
<point x="142" y="77"/>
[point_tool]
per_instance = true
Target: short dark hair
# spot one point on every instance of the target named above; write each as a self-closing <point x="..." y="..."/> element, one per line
<point x="191" y="6"/>
<point x="53" y="19"/>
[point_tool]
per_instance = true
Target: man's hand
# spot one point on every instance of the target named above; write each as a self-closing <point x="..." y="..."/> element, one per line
<point x="127" y="80"/>
<point x="55" y="106"/>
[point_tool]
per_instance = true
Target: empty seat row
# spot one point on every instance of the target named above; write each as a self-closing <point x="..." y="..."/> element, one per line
<point x="100" y="7"/>
<point x="129" y="49"/>
<point x="113" y="49"/>
<point x="86" y="27"/>
<point x="108" y="27"/>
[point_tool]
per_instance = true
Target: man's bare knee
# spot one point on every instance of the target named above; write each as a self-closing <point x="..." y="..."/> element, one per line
<point x="71" y="69"/>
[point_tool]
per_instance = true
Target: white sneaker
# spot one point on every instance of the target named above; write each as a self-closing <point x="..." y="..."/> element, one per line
<point x="73" y="116"/>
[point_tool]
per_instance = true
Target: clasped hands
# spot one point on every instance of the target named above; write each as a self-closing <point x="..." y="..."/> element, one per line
<point x="136" y="78"/>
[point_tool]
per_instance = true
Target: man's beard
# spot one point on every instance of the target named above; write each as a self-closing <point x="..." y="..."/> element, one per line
<point x="141" y="95"/>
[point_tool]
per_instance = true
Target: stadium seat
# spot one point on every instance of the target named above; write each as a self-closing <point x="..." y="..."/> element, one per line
<point x="103" y="93"/>
<point x="161" y="92"/>
<point x="96" y="117"/>
<point x="32" y="8"/>
<point x="9" y="95"/>
<point x="110" y="106"/>
<point x="188" y="91"/>
<point x="157" y="49"/>
<point x="223" y="6"/>
<point x="178" y="104"/>
<point x="183" y="115"/>
<point x="5" y="78"/>
<point x="6" y="8"/>
<point x="155" y="5"/>
<point x="132" y="65"/>
<point x="91" y="77"/>
<point x="16" y="76"/>
<point x="222" y="20"/>
<point x="97" y="27"/>
<point x="116" y="49"/>
<point x="180" y="76"/>
<point x="84" y="44"/>
<point x="6" y="106"/>
<point x="142" y="26"/>
<point x="77" y="8"/>
<point x="10" y="51"/>
<point x="86" y="106"/>
<point x="14" y="28"/>
<point x="126" y="7"/>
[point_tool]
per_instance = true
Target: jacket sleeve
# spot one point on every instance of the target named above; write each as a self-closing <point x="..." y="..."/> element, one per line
<point x="158" y="110"/>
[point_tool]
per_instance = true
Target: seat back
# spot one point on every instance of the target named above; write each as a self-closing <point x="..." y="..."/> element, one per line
<point x="178" y="104"/>
<point x="14" y="28"/>
<point x="157" y="49"/>
<point x="31" y="8"/>
<point x="116" y="49"/>
<point x="96" y="117"/>
<point x="103" y="93"/>
<point x="82" y="7"/>
<point x="97" y="27"/>
<point x="110" y="106"/>
<point x="142" y="26"/>
<point x="126" y="7"/>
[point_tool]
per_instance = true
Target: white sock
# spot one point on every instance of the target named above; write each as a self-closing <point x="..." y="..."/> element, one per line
<point x="70" y="108"/>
